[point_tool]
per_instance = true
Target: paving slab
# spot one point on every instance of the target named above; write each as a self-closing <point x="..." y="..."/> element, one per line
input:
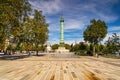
<point x="63" y="67"/>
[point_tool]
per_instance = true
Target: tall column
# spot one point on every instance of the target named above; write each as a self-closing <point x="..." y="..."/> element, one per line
<point x="62" y="31"/>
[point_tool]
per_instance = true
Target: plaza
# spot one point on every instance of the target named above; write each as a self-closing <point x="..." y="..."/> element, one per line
<point x="54" y="66"/>
<point x="59" y="40"/>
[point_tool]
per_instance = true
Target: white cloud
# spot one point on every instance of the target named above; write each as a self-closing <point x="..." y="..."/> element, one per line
<point x="95" y="9"/>
<point x="109" y="35"/>
<point x="106" y="17"/>
<point x="114" y="28"/>
<point x="73" y="24"/>
<point x="70" y="41"/>
<point x="48" y="7"/>
<point x="54" y="27"/>
<point x="69" y="25"/>
<point x="74" y="41"/>
<point x="55" y="41"/>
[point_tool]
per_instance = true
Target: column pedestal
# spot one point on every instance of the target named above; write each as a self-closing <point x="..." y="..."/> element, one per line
<point x="61" y="50"/>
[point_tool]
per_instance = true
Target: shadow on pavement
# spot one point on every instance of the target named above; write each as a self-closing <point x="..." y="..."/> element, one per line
<point x="12" y="57"/>
<point x="15" y="57"/>
<point x="40" y="55"/>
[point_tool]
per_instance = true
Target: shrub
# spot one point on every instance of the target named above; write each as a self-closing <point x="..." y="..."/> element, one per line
<point x="81" y="53"/>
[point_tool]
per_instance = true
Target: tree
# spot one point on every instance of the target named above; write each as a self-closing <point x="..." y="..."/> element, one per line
<point x="101" y="48"/>
<point x="40" y="29"/>
<point x="95" y="32"/>
<point x="10" y="48"/>
<point x="34" y="31"/>
<point x="67" y="46"/>
<point x="113" y="43"/>
<point x="12" y="13"/>
<point x="26" y="35"/>
<point x="42" y="47"/>
<point x="55" y="46"/>
<point x="83" y="46"/>
<point x="76" y="47"/>
<point x="24" y="10"/>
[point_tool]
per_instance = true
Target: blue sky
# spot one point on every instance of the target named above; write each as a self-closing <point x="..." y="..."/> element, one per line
<point x="77" y="15"/>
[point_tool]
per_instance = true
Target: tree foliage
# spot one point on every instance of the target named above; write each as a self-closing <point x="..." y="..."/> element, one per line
<point x="15" y="20"/>
<point x="12" y="13"/>
<point x="55" y="46"/>
<point x="40" y="29"/>
<point x="95" y="32"/>
<point x="113" y="43"/>
<point x="81" y="46"/>
<point x="67" y="46"/>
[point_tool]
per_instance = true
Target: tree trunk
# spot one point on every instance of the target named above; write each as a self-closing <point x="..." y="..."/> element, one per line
<point x="94" y="50"/>
<point x="10" y="52"/>
<point x="37" y="52"/>
<point x="5" y="52"/>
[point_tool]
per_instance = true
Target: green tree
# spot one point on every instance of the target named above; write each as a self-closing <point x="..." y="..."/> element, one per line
<point x="95" y="32"/>
<point x="24" y="10"/>
<point x="76" y="47"/>
<point x="26" y="35"/>
<point x="101" y="48"/>
<point x="67" y="46"/>
<point x="12" y="13"/>
<point x="83" y="46"/>
<point x="10" y="48"/>
<point x="113" y="43"/>
<point x="55" y="46"/>
<point x="40" y="29"/>
<point x="91" y="47"/>
<point x="42" y="48"/>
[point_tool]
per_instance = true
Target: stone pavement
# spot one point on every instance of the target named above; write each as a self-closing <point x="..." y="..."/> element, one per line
<point x="60" y="67"/>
